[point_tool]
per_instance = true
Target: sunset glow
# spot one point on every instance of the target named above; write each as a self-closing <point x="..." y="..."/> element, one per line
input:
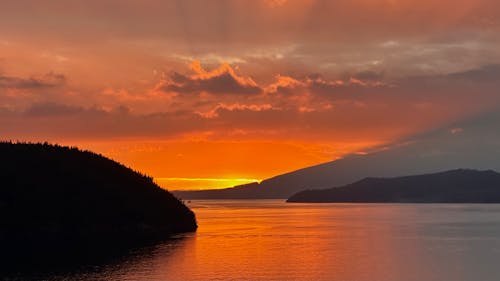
<point x="202" y="183"/>
<point x="212" y="94"/>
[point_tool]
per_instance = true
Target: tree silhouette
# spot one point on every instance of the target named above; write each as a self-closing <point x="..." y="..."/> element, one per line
<point x="63" y="193"/>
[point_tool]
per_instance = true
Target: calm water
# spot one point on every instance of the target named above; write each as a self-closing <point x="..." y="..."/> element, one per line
<point x="273" y="240"/>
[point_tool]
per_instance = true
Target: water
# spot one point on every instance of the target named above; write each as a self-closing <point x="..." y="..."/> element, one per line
<point x="273" y="240"/>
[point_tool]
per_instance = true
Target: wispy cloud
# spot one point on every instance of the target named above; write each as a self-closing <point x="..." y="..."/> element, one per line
<point x="48" y="80"/>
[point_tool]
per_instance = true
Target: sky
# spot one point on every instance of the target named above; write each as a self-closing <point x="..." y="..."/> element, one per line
<point x="209" y="94"/>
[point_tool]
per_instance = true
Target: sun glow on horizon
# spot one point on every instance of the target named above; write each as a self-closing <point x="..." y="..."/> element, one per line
<point x="202" y="183"/>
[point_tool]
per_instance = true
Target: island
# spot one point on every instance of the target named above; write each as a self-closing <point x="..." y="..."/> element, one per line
<point x="454" y="186"/>
<point x="51" y="194"/>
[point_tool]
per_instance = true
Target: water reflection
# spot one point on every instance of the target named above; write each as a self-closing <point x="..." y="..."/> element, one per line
<point x="146" y="263"/>
<point x="87" y="262"/>
<point x="272" y="240"/>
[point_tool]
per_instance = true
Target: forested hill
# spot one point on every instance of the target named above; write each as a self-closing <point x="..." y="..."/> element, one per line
<point x="55" y="191"/>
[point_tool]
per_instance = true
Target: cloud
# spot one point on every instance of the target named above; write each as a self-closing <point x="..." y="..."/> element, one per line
<point x="284" y="83"/>
<point x="369" y="75"/>
<point x="308" y="107"/>
<point x="214" y="113"/>
<point x="257" y="121"/>
<point x="220" y="81"/>
<point x="49" y="80"/>
<point x="57" y="120"/>
<point x="487" y="73"/>
<point x="208" y="91"/>
<point x="465" y="85"/>
<point x="275" y="3"/>
<point x="52" y="109"/>
<point x="316" y="84"/>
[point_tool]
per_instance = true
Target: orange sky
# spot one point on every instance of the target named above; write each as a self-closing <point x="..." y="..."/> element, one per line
<point x="201" y="94"/>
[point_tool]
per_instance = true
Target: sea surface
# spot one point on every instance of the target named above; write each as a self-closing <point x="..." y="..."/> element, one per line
<point x="274" y="240"/>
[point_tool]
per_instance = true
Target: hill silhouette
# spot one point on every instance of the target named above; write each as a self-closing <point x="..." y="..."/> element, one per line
<point x="65" y="195"/>
<point x="455" y="186"/>
<point x="471" y="143"/>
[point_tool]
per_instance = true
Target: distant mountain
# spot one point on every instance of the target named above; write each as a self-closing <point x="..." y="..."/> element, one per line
<point x="473" y="143"/>
<point x="62" y="194"/>
<point x="457" y="186"/>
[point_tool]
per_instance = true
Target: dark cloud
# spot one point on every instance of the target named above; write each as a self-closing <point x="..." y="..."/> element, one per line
<point x="222" y="80"/>
<point x="48" y="80"/>
<point x="224" y="83"/>
<point x="50" y="120"/>
<point x="467" y="85"/>
<point x="52" y="109"/>
<point x="487" y="73"/>
<point x="318" y="86"/>
<point x="368" y="75"/>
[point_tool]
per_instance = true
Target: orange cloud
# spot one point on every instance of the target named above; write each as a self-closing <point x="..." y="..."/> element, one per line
<point x="236" y="106"/>
<point x="222" y="80"/>
<point x="284" y="82"/>
<point x="275" y="3"/>
<point x="309" y="107"/>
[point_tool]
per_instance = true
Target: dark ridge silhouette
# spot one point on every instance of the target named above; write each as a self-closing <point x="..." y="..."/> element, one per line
<point x="245" y="191"/>
<point x="476" y="145"/>
<point x="65" y="197"/>
<point x="455" y="186"/>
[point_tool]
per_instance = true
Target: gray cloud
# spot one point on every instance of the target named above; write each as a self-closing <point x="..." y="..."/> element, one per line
<point x="487" y="73"/>
<point x="224" y="83"/>
<point x="48" y="80"/>
<point x="52" y="110"/>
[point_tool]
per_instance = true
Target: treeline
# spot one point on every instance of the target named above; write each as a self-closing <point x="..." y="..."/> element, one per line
<point x="54" y="146"/>
<point x="50" y="190"/>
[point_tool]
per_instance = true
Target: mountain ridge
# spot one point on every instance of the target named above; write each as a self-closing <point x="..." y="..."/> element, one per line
<point x="452" y="186"/>
<point x="472" y="143"/>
